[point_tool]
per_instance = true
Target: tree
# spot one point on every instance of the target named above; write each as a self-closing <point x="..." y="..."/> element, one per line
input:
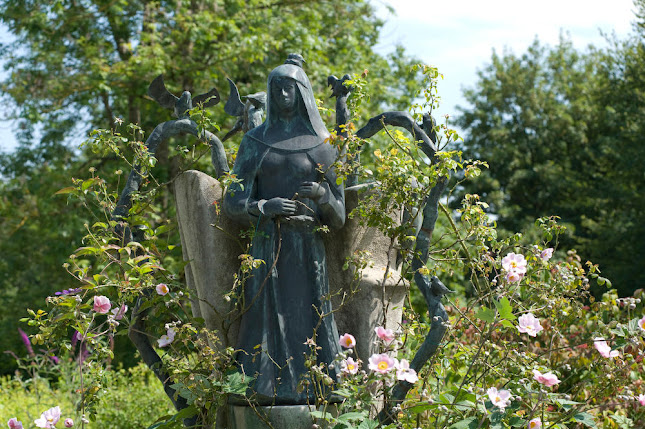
<point x="559" y="129"/>
<point x="77" y="65"/>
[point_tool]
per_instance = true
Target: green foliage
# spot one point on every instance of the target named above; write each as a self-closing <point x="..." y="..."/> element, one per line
<point x="561" y="132"/>
<point x="75" y="66"/>
<point x="133" y="398"/>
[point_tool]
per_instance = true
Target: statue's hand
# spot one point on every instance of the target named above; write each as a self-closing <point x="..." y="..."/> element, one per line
<point x="311" y="190"/>
<point x="278" y="207"/>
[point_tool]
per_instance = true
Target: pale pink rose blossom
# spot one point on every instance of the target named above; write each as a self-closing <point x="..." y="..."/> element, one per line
<point x="162" y="289"/>
<point x="514" y="276"/>
<point x="386" y="335"/>
<point x="641" y="323"/>
<point x="49" y="418"/>
<point x="535" y="424"/>
<point x="529" y="324"/>
<point x="514" y="262"/>
<point x="500" y="399"/>
<point x="119" y="312"/>
<point x="546" y="254"/>
<point x="548" y="379"/>
<point x="348" y="341"/>
<point x="69" y="423"/>
<point x="604" y="349"/>
<point x="349" y="366"/>
<point x="13" y="423"/>
<point x="167" y="339"/>
<point x="382" y="363"/>
<point x="102" y="304"/>
<point x="641" y="399"/>
<point x="405" y="373"/>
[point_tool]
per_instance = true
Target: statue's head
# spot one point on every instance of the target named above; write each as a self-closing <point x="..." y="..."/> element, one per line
<point x="289" y="91"/>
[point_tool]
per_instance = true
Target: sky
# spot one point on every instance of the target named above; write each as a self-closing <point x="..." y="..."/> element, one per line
<point x="459" y="36"/>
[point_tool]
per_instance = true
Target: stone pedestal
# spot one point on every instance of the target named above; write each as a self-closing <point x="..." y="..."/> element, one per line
<point x="278" y="417"/>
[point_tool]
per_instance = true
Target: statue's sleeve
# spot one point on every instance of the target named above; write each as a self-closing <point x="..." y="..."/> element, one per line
<point x="331" y="207"/>
<point x="240" y="195"/>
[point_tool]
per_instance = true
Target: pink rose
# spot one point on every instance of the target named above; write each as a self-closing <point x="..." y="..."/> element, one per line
<point x="604" y="349"/>
<point x="514" y="262"/>
<point x="349" y="366"/>
<point x="382" y="363"/>
<point x="535" y="424"/>
<point x="546" y="254"/>
<point x="405" y="373"/>
<point x="162" y="289"/>
<point x="384" y="334"/>
<point x="500" y="398"/>
<point x="49" y="418"/>
<point x="101" y="304"/>
<point x="529" y="324"/>
<point x="348" y="341"/>
<point x="69" y="423"/>
<point x="548" y="379"/>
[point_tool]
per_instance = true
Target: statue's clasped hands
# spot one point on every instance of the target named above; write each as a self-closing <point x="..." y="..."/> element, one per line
<point x="286" y="207"/>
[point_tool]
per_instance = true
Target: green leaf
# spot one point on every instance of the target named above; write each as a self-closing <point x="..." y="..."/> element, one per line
<point x="325" y="415"/>
<point x="604" y="281"/>
<point x="517" y="422"/>
<point x="352" y="416"/>
<point x="507" y="324"/>
<point x="66" y="190"/>
<point x="505" y="309"/>
<point x="419" y="408"/>
<point x="469" y="423"/>
<point x="486" y="314"/>
<point x="368" y="424"/>
<point x="586" y="419"/>
<point x="565" y="403"/>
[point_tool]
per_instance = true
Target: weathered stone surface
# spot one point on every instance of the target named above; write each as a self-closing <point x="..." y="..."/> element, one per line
<point x="211" y="245"/>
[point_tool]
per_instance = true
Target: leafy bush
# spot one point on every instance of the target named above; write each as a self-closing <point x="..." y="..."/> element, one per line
<point x="130" y="399"/>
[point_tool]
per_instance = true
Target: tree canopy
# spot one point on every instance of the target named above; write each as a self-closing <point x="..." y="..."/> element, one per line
<point x="562" y="132"/>
<point x="77" y="65"/>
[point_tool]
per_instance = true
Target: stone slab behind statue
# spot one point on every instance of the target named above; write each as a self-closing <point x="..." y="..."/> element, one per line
<point x="211" y="246"/>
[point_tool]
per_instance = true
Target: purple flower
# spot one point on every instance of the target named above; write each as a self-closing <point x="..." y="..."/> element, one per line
<point x="25" y="339"/>
<point x="14" y="423"/>
<point x="68" y="291"/>
<point x="76" y="336"/>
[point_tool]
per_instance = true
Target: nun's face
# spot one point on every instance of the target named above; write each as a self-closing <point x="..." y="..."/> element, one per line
<point x="284" y="94"/>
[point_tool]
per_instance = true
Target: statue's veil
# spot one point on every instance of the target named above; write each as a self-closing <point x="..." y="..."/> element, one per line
<point x="312" y="119"/>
